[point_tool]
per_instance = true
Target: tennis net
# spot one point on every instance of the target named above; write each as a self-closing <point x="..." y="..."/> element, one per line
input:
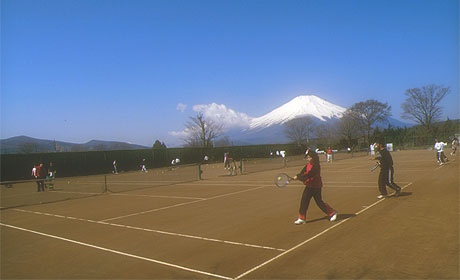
<point x="24" y="193"/>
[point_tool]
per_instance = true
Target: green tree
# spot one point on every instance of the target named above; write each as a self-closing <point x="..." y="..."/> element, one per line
<point x="368" y="113"/>
<point x="447" y="129"/>
<point x="28" y="148"/>
<point x="159" y="145"/>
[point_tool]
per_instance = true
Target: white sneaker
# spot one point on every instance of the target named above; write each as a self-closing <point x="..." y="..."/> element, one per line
<point x="299" y="222"/>
<point x="381" y="196"/>
<point x="333" y="217"/>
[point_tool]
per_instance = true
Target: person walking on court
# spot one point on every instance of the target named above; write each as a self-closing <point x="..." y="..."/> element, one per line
<point x="35" y="175"/>
<point x="329" y="154"/>
<point x="386" y="172"/>
<point x="372" y="148"/>
<point x="454" y="146"/>
<point x="41" y="176"/>
<point x="143" y="169"/>
<point x="310" y="175"/>
<point x="226" y="160"/>
<point x="50" y="176"/>
<point x="115" y="171"/>
<point x="440" y="156"/>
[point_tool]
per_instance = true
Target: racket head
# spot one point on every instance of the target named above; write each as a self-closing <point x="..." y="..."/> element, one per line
<point x="375" y="166"/>
<point x="282" y="180"/>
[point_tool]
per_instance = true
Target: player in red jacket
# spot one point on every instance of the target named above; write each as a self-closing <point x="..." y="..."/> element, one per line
<point x="310" y="175"/>
<point x="40" y="173"/>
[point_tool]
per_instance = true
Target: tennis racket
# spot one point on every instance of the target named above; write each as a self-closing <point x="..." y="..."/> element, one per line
<point x="282" y="180"/>
<point x="375" y="166"/>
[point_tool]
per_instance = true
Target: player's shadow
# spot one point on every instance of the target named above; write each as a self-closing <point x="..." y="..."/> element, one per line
<point x="339" y="217"/>
<point x="403" y="194"/>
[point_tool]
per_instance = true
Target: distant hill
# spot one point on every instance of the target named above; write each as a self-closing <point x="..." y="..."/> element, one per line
<point x="24" y="144"/>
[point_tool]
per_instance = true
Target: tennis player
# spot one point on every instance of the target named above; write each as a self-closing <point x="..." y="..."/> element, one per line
<point x="386" y="172"/>
<point x="310" y="175"/>
<point x="143" y="169"/>
<point x="115" y="171"/>
<point x="440" y="156"/>
<point x="329" y="154"/>
<point x="454" y="146"/>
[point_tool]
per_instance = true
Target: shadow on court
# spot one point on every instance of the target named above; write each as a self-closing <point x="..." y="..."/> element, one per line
<point x="339" y="218"/>
<point x="402" y="194"/>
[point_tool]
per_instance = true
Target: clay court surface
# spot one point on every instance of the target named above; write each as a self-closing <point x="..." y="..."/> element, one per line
<point x="241" y="227"/>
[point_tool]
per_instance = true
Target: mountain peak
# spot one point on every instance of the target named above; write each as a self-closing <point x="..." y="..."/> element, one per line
<point x="300" y="106"/>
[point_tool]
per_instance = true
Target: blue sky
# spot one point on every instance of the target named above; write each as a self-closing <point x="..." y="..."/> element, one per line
<point x="118" y="70"/>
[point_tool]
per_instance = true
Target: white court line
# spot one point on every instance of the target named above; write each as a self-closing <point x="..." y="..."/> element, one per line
<point x="238" y="183"/>
<point x="148" y="182"/>
<point x="326" y="186"/>
<point x="159" y="196"/>
<point x="119" y="252"/>
<point x="350" y="183"/>
<point x="312" y="238"/>
<point x="154" y="231"/>
<point x="180" y="204"/>
<point x="141" y="195"/>
<point x="58" y="191"/>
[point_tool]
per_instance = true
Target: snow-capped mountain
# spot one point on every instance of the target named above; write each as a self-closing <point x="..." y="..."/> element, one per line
<point x="270" y="128"/>
<point x="298" y="107"/>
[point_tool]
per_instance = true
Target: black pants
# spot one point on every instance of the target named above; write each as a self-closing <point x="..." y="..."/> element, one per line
<point x="386" y="179"/>
<point x="441" y="157"/>
<point x="41" y="185"/>
<point x="308" y="193"/>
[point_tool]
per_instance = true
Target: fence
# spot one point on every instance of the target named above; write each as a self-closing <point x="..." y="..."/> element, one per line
<point x="69" y="164"/>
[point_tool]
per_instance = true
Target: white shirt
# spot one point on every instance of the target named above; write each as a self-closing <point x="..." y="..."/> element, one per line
<point x="440" y="146"/>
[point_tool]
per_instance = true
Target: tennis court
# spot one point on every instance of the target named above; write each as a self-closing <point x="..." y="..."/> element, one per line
<point x="239" y="227"/>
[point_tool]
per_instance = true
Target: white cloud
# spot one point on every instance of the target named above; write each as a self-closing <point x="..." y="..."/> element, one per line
<point x="222" y="115"/>
<point x="181" y="107"/>
<point x="181" y="134"/>
<point x="219" y="114"/>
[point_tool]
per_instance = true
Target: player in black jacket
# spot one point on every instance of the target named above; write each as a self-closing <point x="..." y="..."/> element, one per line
<point x="386" y="172"/>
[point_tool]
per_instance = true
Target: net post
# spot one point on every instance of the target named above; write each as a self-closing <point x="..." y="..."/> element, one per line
<point x="199" y="171"/>
<point x="105" y="183"/>
<point x="241" y="166"/>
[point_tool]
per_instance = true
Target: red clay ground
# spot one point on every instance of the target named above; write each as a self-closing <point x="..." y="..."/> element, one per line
<point x="241" y="227"/>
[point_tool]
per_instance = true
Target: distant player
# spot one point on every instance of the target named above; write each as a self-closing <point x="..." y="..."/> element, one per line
<point x="454" y="146"/>
<point x="175" y="162"/>
<point x="143" y="169"/>
<point x="440" y="156"/>
<point x="41" y="176"/>
<point x="329" y="154"/>
<point x="34" y="172"/>
<point x="226" y="161"/>
<point x="50" y="177"/>
<point x="372" y="148"/>
<point x="283" y="154"/>
<point x="115" y="171"/>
